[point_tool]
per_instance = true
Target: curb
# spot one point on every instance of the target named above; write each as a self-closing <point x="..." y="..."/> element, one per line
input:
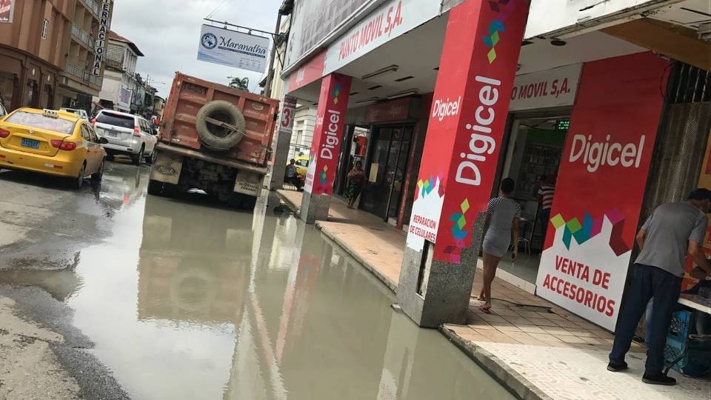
<point x="511" y="380"/>
<point x="351" y="252"/>
<point x="288" y="203"/>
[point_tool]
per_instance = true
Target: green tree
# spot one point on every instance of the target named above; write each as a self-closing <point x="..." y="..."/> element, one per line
<point x="239" y="83"/>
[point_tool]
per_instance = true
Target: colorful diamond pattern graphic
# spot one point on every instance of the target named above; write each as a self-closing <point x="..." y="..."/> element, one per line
<point x="336" y="93"/>
<point x="425" y="187"/>
<point x="323" y="175"/>
<point x="459" y="231"/>
<point x="591" y="227"/>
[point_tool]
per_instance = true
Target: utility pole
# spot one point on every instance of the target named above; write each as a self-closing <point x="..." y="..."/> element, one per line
<point x="152" y="92"/>
<point x="286" y="8"/>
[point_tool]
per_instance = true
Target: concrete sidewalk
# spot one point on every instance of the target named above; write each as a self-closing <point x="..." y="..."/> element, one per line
<point x="534" y="348"/>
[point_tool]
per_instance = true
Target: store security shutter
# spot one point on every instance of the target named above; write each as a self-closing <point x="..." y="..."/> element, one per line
<point x="681" y="142"/>
<point x="682" y="138"/>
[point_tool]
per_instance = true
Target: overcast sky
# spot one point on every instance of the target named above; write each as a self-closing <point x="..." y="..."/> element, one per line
<point x="168" y="31"/>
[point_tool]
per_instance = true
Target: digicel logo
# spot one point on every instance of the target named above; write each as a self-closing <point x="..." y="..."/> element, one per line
<point x="596" y="154"/>
<point x="333" y="118"/>
<point x="480" y="143"/>
<point x="446" y="108"/>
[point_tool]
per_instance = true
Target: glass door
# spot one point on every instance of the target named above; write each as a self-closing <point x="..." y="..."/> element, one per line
<point x="397" y="166"/>
<point x="375" y="194"/>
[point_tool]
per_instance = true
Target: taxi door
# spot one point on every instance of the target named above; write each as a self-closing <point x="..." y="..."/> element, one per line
<point x="93" y="149"/>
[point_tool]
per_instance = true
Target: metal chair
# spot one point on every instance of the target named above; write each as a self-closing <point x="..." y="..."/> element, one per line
<point x="527" y="234"/>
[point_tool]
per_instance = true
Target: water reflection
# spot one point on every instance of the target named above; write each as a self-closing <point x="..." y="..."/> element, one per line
<point x="121" y="187"/>
<point x="254" y="306"/>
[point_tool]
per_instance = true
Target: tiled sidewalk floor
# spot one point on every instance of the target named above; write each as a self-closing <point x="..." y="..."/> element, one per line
<point x="550" y="352"/>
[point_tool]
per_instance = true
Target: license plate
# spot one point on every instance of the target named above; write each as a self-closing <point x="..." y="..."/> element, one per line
<point x="33" y="144"/>
<point x="112" y="133"/>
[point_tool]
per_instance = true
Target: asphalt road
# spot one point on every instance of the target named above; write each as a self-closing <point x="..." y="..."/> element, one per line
<point x="43" y="228"/>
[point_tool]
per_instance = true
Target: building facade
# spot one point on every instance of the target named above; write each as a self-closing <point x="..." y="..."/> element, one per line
<point x="601" y="107"/>
<point x="303" y="132"/>
<point x="121" y="89"/>
<point x="33" y="42"/>
<point x="84" y="61"/>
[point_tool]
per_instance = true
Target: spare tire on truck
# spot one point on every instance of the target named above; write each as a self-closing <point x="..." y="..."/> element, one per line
<point x="220" y="125"/>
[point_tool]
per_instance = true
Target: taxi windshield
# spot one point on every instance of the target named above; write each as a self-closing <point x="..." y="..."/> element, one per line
<point x="40" y="121"/>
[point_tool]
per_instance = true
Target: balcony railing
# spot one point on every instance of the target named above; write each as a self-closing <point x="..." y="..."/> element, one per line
<point x="83" y="36"/>
<point x="94" y="7"/>
<point x="83" y="74"/>
<point x="74" y="70"/>
<point x="114" y="64"/>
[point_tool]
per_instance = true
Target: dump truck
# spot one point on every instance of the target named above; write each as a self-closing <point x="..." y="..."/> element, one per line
<point x="214" y="138"/>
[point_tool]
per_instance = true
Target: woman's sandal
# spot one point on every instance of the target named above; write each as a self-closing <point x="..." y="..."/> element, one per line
<point x="485" y="309"/>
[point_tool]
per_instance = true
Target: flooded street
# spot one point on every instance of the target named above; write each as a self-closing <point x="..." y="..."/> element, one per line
<point x="181" y="299"/>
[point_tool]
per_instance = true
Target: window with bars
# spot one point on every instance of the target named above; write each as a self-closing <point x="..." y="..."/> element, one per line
<point x="45" y="28"/>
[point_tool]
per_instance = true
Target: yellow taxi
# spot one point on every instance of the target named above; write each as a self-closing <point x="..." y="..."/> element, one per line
<point x="302" y="164"/>
<point x="51" y="142"/>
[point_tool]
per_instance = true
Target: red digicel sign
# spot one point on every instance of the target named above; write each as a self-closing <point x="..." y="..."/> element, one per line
<point x="601" y="185"/>
<point x="328" y="134"/>
<point x="474" y="111"/>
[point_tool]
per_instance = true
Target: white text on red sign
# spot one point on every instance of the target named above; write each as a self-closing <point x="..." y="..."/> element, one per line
<point x="480" y="144"/>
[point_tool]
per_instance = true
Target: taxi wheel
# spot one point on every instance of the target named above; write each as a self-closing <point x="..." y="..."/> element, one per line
<point x="98" y="175"/>
<point x="78" y="182"/>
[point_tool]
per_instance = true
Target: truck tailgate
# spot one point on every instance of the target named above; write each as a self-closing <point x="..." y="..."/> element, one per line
<point x="188" y="94"/>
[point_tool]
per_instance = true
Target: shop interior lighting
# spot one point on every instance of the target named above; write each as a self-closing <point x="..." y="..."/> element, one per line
<point x="405" y="78"/>
<point x="381" y="72"/>
<point x="404" y="93"/>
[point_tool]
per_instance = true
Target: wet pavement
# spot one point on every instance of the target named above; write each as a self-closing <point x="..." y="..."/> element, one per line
<point x="182" y="299"/>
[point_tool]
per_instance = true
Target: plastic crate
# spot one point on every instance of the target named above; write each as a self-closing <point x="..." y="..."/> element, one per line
<point x="673" y="350"/>
<point x="680" y="327"/>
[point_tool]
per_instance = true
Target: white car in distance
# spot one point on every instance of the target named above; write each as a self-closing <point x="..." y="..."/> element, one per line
<point x="127" y="134"/>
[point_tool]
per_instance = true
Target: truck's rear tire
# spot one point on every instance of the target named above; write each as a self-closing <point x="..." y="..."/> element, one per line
<point x="215" y="137"/>
<point x="158" y="188"/>
<point x="242" y="201"/>
<point x="248" y="203"/>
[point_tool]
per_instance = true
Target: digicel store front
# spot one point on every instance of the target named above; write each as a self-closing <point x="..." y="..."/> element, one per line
<point x="596" y="133"/>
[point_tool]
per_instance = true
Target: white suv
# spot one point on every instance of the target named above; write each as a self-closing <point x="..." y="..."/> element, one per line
<point x="127" y="134"/>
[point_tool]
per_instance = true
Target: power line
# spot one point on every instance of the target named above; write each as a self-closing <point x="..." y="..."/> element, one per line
<point x="217" y="8"/>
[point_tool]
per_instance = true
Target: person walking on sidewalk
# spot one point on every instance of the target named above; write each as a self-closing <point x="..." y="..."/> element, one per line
<point x="504" y="214"/>
<point x="355" y="183"/>
<point x="672" y="231"/>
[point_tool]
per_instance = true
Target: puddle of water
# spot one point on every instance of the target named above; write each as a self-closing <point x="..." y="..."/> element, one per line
<point x="186" y="301"/>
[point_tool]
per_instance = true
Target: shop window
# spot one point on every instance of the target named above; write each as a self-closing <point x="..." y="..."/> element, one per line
<point x="7" y="89"/>
<point x="32" y="94"/>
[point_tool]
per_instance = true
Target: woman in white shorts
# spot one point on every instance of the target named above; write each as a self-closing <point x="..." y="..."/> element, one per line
<point x="503" y="218"/>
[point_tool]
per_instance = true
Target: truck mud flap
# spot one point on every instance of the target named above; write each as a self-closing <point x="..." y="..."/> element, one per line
<point x="249" y="183"/>
<point x="167" y="168"/>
